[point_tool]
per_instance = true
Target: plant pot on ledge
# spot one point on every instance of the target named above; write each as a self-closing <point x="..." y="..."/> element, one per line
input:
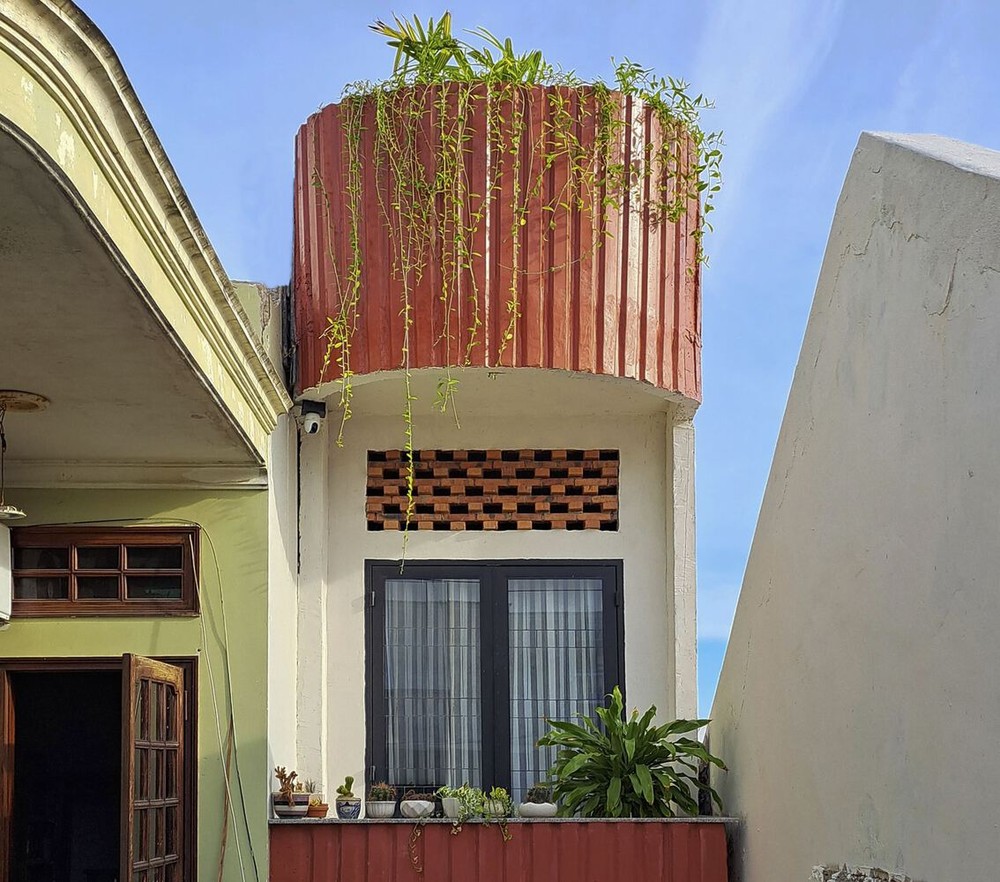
<point x="538" y="803"/>
<point x="417" y="805"/>
<point x="317" y="809"/>
<point x="381" y="801"/>
<point x="348" y="805"/>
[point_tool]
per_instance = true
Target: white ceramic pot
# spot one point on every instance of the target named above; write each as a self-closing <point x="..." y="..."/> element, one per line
<point x="494" y="808"/>
<point x="537" y="809"/>
<point x="416" y="808"/>
<point x="452" y="807"/>
<point x="380" y="808"/>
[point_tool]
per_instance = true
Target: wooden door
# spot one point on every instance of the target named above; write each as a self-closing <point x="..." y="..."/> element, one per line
<point x="152" y="771"/>
<point x="6" y="773"/>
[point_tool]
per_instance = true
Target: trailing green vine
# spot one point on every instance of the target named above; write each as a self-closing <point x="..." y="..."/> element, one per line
<point x="432" y="212"/>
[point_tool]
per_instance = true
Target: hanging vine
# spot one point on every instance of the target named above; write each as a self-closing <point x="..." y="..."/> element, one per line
<point x="412" y="131"/>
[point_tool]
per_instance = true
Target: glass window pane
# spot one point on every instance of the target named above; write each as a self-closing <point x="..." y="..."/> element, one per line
<point x="141" y="721"/>
<point x="153" y="587"/>
<point x="154" y="711"/>
<point x="171" y="779"/>
<point x="99" y="557"/>
<point x="41" y="587"/>
<point x="556" y="637"/>
<point x="154" y="557"/>
<point x="171" y="840"/>
<point x="432" y="681"/>
<point x="170" y="723"/>
<point x="41" y="558"/>
<point x="141" y="773"/>
<point x="97" y="587"/>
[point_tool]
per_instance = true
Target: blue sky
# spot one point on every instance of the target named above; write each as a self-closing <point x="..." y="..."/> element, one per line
<point x="227" y="83"/>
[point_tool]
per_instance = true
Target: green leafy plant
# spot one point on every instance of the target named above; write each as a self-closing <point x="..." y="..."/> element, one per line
<point x="497" y="803"/>
<point x="381" y="792"/>
<point x="417" y="125"/>
<point x="345" y="791"/>
<point x="626" y="767"/>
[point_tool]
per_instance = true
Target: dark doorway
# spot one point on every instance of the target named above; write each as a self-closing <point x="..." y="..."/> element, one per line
<point x="67" y="776"/>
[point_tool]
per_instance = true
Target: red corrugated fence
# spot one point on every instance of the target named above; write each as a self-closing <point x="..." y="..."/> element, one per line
<point x="579" y="851"/>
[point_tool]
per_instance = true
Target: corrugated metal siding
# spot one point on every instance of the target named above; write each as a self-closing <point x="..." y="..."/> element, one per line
<point x="537" y="852"/>
<point x="628" y="308"/>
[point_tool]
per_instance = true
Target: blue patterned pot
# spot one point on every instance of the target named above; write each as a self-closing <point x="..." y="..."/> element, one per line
<point x="348" y="809"/>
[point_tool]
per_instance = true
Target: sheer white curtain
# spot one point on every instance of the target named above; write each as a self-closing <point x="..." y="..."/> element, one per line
<point x="556" y="639"/>
<point x="432" y="681"/>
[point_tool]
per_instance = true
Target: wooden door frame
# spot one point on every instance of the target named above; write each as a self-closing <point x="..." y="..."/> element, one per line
<point x="188" y="664"/>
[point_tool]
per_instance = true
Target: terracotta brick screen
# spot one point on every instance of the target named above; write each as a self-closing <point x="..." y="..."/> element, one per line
<point x="495" y="490"/>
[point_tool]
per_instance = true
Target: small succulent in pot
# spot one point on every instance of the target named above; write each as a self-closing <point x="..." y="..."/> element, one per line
<point x="416" y="805"/>
<point x="317" y="808"/>
<point x="348" y="805"/>
<point x="538" y="803"/>
<point x="381" y="801"/>
<point x="290" y="799"/>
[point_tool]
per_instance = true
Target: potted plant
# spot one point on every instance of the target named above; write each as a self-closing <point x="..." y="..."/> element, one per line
<point x="497" y="803"/>
<point x="348" y="805"/>
<point x="317" y="808"/>
<point x="290" y="799"/>
<point x="626" y="767"/>
<point x="416" y="805"/>
<point x="381" y="801"/>
<point x="538" y="803"/>
<point x="461" y="803"/>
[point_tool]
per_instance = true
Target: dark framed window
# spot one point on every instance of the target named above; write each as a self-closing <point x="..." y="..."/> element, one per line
<point x="466" y="661"/>
<point x="89" y="571"/>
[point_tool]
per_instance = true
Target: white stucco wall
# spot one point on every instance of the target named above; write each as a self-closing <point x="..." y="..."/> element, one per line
<point x="857" y="705"/>
<point x="282" y="596"/>
<point x="336" y="545"/>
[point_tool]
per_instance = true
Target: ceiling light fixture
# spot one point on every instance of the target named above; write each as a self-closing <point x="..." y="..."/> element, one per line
<point x="24" y="402"/>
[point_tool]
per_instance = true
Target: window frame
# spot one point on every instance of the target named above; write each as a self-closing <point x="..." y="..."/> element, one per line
<point x="187" y="538"/>
<point x="494" y="647"/>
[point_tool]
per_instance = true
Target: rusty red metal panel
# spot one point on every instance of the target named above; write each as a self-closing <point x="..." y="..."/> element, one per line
<point x="618" y="295"/>
<point x="578" y="851"/>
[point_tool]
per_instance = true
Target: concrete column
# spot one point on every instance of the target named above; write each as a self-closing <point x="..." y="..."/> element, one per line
<point x="681" y="567"/>
<point x="312" y="609"/>
<point x="282" y="595"/>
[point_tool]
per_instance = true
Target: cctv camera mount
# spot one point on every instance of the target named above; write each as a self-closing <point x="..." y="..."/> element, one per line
<point x="313" y="414"/>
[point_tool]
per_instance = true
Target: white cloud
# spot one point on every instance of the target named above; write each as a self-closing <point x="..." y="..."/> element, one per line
<point x="756" y="60"/>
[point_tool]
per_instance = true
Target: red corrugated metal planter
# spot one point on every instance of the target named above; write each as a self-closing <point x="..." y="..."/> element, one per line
<point x="612" y="292"/>
<point x="569" y="851"/>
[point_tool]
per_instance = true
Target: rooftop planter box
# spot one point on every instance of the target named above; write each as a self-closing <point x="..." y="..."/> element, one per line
<point x="537" y="851"/>
<point x="533" y="255"/>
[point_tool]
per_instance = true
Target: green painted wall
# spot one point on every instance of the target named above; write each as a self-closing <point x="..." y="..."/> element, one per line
<point x="233" y="547"/>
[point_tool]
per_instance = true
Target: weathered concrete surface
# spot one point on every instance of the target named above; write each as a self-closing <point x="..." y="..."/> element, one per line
<point x="857" y="705"/>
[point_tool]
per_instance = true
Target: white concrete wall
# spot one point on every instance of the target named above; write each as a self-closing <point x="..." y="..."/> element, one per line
<point x="336" y="543"/>
<point x="282" y="596"/>
<point x="858" y="706"/>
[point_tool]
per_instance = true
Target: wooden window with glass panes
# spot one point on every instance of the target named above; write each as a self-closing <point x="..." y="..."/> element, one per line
<point x="88" y="571"/>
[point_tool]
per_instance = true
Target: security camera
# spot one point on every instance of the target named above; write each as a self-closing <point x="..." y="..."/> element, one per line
<point x="313" y="414"/>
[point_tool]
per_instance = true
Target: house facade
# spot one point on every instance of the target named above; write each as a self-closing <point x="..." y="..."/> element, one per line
<point x="140" y="409"/>
<point x="548" y="553"/>
<point x="205" y="584"/>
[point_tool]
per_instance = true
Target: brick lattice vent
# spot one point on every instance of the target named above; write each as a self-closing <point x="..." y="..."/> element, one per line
<point x="495" y="490"/>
